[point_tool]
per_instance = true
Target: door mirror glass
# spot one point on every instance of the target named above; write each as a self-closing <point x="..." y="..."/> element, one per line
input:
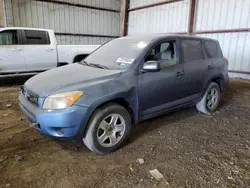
<point x="151" y="66"/>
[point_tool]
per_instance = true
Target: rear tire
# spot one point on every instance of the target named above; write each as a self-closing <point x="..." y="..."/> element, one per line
<point x="210" y="100"/>
<point x="108" y="128"/>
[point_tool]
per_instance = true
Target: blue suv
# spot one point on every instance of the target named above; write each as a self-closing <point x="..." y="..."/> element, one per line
<point x="125" y="81"/>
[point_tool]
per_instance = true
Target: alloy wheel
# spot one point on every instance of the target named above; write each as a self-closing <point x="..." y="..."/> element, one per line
<point x="111" y="130"/>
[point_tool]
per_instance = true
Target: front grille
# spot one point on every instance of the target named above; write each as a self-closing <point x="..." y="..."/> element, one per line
<point x="30" y="96"/>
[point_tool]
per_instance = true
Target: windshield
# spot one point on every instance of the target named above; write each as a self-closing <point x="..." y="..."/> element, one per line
<point x="117" y="54"/>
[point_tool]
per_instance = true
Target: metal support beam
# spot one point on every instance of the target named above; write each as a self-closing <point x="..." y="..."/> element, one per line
<point x="191" y="18"/>
<point x="86" y="35"/>
<point x="223" y="31"/>
<point x="78" y="5"/>
<point x="124" y="18"/>
<point x="2" y="14"/>
<point x="153" y="5"/>
<point x="240" y="72"/>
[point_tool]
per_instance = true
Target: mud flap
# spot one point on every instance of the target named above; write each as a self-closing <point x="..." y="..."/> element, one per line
<point x="201" y="106"/>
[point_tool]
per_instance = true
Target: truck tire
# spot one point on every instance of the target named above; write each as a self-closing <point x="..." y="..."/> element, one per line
<point x="210" y="100"/>
<point x="108" y="128"/>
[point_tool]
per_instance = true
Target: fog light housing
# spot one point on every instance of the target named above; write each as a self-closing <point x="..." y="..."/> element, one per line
<point x="60" y="131"/>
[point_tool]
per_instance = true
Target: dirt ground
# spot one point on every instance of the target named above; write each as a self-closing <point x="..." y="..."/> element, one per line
<point x="188" y="148"/>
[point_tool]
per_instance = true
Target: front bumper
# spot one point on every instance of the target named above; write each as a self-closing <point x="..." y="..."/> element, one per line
<point x="63" y="124"/>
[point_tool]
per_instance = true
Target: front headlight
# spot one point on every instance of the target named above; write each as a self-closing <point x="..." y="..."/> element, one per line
<point x="61" y="100"/>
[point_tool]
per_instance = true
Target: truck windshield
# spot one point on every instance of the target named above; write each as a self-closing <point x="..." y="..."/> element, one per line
<point x="117" y="54"/>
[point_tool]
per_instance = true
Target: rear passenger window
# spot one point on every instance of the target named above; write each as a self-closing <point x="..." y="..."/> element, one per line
<point x="36" y="37"/>
<point x="212" y="49"/>
<point x="192" y="50"/>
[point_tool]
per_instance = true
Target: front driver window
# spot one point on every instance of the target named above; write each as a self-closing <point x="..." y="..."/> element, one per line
<point x="164" y="53"/>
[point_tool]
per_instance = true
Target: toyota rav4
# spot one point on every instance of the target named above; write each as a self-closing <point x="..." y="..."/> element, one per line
<point x="125" y="81"/>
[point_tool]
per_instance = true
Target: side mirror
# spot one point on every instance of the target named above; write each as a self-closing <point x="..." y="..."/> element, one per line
<point x="151" y="66"/>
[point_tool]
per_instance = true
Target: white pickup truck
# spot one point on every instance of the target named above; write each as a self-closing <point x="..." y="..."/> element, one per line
<point x="24" y="50"/>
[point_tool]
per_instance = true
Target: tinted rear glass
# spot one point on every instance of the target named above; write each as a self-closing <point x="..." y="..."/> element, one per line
<point x="36" y="37"/>
<point x="192" y="50"/>
<point x="212" y="49"/>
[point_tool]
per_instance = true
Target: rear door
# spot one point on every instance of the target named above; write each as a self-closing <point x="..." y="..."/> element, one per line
<point x="195" y="67"/>
<point x="11" y="52"/>
<point x="40" y="54"/>
<point x="215" y="62"/>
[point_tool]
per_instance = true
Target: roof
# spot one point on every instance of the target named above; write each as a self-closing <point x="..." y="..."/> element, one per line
<point x="28" y="28"/>
<point x="158" y="36"/>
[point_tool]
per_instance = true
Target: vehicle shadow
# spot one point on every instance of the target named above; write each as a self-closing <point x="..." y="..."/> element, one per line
<point x="13" y="81"/>
<point x="149" y="125"/>
<point x="176" y="116"/>
<point x="73" y="146"/>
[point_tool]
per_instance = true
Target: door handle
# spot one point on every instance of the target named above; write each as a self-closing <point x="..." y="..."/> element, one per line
<point x="179" y="73"/>
<point x="17" y="49"/>
<point x="49" y="49"/>
<point x="209" y="67"/>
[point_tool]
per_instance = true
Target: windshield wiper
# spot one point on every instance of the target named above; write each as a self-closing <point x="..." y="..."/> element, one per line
<point x="83" y="62"/>
<point x="98" y="65"/>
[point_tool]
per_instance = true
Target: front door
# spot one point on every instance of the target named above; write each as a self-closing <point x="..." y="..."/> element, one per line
<point x="160" y="90"/>
<point x="40" y="53"/>
<point x="11" y="52"/>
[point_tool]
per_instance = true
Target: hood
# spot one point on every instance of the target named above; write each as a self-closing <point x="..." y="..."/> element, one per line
<point x="69" y="76"/>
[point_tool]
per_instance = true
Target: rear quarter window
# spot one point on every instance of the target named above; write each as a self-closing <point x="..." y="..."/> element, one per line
<point x="192" y="50"/>
<point x="212" y="49"/>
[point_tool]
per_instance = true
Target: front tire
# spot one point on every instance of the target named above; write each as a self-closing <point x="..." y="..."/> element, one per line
<point x="108" y="128"/>
<point x="210" y="100"/>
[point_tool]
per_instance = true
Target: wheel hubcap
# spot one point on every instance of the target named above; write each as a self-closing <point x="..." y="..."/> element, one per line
<point x="212" y="98"/>
<point x="111" y="130"/>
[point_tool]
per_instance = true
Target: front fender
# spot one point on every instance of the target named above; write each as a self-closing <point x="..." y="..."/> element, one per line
<point x="126" y="95"/>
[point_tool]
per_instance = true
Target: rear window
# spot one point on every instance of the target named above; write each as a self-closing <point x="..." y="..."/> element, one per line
<point x="212" y="49"/>
<point x="192" y="50"/>
<point x="36" y="37"/>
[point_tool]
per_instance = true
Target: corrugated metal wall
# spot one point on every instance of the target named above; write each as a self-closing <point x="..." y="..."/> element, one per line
<point x="227" y="14"/>
<point x="67" y="19"/>
<point x="210" y="15"/>
<point x="136" y="3"/>
<point x="169" y="18"/>
<point x="236" y="47"/>
<point x="222" y="14"/>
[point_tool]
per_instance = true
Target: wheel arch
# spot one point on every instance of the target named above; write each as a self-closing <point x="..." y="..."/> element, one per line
<point x="118" y="100"/>
<point x="219" y="79"/>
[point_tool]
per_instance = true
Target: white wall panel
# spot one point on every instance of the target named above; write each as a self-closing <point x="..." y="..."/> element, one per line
<point x="66" y="19"/>
<point x="111" y="4"/>
<point x="63" y="39"/>
<point x="63" y="18"/>
<point x="8" y="12"/>
<point x="222" y="14"/>
<point x="166" y="18"/>
<point x="236" y="48"/>
<point x="136" y="3"/>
